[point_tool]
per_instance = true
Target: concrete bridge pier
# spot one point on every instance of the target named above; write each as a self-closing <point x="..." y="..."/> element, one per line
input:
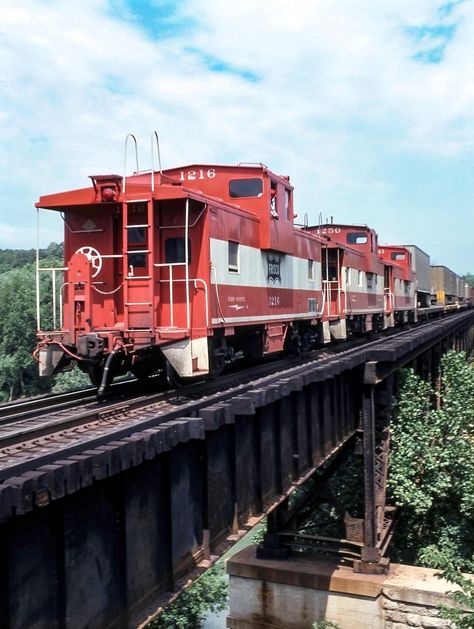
<point x="296" y="592"/>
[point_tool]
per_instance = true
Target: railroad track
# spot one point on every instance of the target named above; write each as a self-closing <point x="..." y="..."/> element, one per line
<point x="27" y="444"/>
<point x="77" y="422"/>
<point x="20" y="409"/>
<point x="33" y="407"/>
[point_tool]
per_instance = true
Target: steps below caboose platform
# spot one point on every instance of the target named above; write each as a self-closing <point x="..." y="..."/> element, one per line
<point x="172" y="333"/>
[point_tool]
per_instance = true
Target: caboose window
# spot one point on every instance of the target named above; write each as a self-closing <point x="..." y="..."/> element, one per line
<point x="233" y="256"/>
<point x="136" y="235"/>
<point x="175" y="250"/>
<point x="310" y="270"/>
<point x="288" y="208"/>
<point x="356" y="238"/>
<point x="136" y="260"/>
<point x="397" y="255"/>
<point x="245" y="188"/>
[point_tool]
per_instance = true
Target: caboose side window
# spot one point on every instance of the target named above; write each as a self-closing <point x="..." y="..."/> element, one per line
<point x="397" y="255"/>
<point x="274" y="199"/>
<point x="310" y="270"/>
<point x="288" y="208"/>
<point x="245" y="188"/>
<point x="356" y="238"/>
<point x="175" y="250"/>
<point x="233" y="256"/>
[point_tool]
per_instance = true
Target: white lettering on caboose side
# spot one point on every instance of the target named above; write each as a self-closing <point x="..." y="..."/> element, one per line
<point x="192" y="175"/>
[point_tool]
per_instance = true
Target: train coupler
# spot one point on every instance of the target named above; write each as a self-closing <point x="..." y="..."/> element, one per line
<point x="118" y="353"/>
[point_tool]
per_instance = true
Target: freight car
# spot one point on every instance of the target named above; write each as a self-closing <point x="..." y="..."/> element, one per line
<point x="183" y="271"/>
<point x="420" y="264"/>
<point x="448" y="289"/>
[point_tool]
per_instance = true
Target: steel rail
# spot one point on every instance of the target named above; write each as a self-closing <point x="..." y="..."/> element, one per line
<point x="26" y="408"/>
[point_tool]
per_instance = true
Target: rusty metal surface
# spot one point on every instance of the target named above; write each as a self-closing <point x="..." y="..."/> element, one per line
<point x="366" y="539"/>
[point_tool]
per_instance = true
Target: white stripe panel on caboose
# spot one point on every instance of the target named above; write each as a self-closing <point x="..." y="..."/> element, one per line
<point x="285" y="271"/>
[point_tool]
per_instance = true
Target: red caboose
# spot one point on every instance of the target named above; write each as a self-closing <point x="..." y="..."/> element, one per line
<point x="353" y="279"/>
<point x="400" y="286"/>
<point x="181" y="272"/>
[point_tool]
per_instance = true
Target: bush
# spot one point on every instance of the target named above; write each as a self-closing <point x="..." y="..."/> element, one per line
<point x="208" y="594"/>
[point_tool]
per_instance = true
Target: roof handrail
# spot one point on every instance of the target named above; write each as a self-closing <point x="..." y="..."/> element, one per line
<point x="253" y="164"/>
<point x="155" y="135"/>
<point x="130" y="135"/>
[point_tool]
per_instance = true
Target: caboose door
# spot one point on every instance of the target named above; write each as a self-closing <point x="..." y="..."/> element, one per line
<point x="183" y="307"/>
<point x="389" y="296"/>
<point x="331" y="272"/>
<point x="138" y="269"/>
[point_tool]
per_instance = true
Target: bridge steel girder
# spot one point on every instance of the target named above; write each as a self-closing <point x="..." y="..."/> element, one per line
<point x="375" y="384"/>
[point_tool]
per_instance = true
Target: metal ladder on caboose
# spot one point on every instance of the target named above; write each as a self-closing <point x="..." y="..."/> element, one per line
<point x="131" y="280"/>
<point x="139" y="284"/>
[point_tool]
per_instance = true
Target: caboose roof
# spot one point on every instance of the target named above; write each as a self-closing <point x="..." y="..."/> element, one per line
<point x="328" y="229"/>
<point x="83" y="197"/>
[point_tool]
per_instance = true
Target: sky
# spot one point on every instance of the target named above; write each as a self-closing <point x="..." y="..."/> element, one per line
<point x="368" y="105"/>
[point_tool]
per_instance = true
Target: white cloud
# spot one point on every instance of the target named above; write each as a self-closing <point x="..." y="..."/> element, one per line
<point x="339" y="97"/>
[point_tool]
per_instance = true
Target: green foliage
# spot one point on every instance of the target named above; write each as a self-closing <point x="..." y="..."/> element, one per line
<point x="18" y="370"/>
<point x="208" y="594"/>
<point x="258" y="536"/>
<point x="70" y="380"/>
<point x="469" y="278"/>
<point x="17" y="333"/>
<point x="462" y="615"/>
<point x="431" y="476"/>
<point x="325" y="624"/>
<point x="17" y="258"/>
<point x="414" y="463"/>
<point x="431" y="473"/>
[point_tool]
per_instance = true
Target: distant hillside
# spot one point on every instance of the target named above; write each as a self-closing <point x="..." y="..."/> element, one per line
<point x="17" y="258"/>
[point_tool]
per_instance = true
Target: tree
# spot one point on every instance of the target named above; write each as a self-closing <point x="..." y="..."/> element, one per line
<point x="432" y="478"/>
<point x="469" y="278"/>
<point x="208" y="594"/>
<point x="431" y="473"/>
<point x="17" y="258"/>
<point x="18" y="370"/>
<point x="17" y="333"/>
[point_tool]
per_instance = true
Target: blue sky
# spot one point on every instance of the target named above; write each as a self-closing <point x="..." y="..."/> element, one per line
<point x="368" y="106"/>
